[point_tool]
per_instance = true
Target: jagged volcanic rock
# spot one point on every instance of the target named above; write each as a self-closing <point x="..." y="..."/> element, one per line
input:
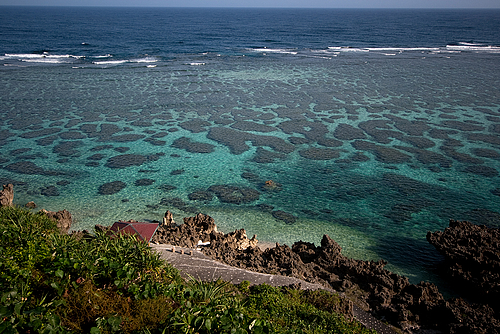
<point x="388" y="296"/>
<point x="199" y="228"/>
<point x="7" y="195"/>
<point x="472" y="259"/>
<point x="63" y="219"/>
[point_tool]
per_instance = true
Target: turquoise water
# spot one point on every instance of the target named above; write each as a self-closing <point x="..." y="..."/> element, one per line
<point x="373" y="146"/>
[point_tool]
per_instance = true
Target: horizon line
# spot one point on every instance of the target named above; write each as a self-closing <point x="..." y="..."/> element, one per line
<point x="245" y="7"/>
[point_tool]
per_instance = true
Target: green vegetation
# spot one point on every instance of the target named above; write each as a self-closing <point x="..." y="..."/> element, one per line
<point x="54" y="283"/>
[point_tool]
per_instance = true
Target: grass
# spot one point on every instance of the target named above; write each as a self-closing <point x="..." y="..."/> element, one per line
<point x="55" y="283"/>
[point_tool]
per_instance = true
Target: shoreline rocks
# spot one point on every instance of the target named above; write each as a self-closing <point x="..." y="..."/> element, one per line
<point x="388" y="296"/>
<point x="63" y="219"/>
<point x="199" y="229"/>
<point x="7" y="195"/>
<point x="472" y="259"/>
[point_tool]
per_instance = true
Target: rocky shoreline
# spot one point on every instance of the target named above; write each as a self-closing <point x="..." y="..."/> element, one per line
<point x="472" y="265"/>
<point x="390" y="297"/>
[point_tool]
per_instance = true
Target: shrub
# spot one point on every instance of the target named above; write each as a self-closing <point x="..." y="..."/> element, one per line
<point x="55" y="283"/>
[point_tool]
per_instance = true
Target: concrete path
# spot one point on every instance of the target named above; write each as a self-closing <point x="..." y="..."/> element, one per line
<point x="198" y="265"/>
<point x="194" y="263"/>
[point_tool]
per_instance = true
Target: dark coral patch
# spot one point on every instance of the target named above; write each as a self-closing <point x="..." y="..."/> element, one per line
<point x="111" y="188"/>
<point x="311" y="130"/>
<point x="448" y="116"/>
<point x="265" y="207"/>
<point x="46" y="141"/>
<point x="72" y="135"/>
<point x="155" y="142"/>
<point x="101" y="147"/>
<point x="91" y="130"/>
<point x="411" y="187"/>
<point x="314" y="153"/>
<point x="483" y="217"/>
<point x="403" y="211"/>
<point x="460" y="157"/>
<point x="236" y="140"/>
<point x="329" y="142"/>
<point x="495" y="128"/>
<point x="428" y="157"/>
<point x="359" y="157"/>
<point x="126" y="160"/>
<point x="252" y="126"/>
<point x="96" y="157"/>
<point x="90" y="116"/>
<point x="25" y="167"/>
<point x="19" y="151"/>
<point x="159" y="134"/>
<point x="178" y="203"/>
<point x="106" y="130"/>
<point x="72" y="122"/>
<point x="441" y="133"/>
<point x="22" y="122"/>
<point x="348" y="132"/>
<point x="265" y="156"/>
<point x="177" y="171"/>
<point x="32" y="156"/>
<point x="195" y="125"/>
<point x="141" y="123"/>
<point x="420" y="142"/>
<point x="412" y="128"/>
<point x="49" y="191"/>
<point x="40" y="133"/>
<point x="57" y="123"/>
<point x="380" y="130"/>
<point x="299" y="140"/>
<point x="382" y="153"/>
<point x="201" y="195"/>
<point x="167" y="187"/>
<point x="221" y="118"/>
<point x="67" y="148"/>
<point x="482" y="170"/>
<point x="489" y="139"/>
<point x="144" y="182"/>
<point x="234" y="194"/>
<point x="288" y="218"/>
<point x="250" y="176"/>
<point x="122" y="149"/>
<point x="486" y="153"/>
<point x="233" y="139"/>
<point x="462" y="126"/>
<point x="125" y="138"/>
<point x="192" y="146"/>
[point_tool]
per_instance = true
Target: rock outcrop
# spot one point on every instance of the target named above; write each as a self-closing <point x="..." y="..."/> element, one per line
<point x="472" y="259"/>
<point x="200" y="228"/>
<point x="388" y="296"/>
<point x="63" y="219"/>
<point x="7" y="195"/>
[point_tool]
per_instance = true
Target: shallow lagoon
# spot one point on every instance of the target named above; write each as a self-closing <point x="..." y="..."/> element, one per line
<point x="372" y="148"/>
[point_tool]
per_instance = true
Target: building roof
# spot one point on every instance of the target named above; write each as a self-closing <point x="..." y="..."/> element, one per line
<point x="144" y="231"/>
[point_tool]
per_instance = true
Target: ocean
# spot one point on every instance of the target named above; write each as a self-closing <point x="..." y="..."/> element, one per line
<point x="371" y="126"/>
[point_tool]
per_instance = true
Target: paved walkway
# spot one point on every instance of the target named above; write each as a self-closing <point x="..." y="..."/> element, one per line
<point x="194" y="263"/>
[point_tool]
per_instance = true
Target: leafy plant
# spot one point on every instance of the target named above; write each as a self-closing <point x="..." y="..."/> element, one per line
<point x="55" y="283"/>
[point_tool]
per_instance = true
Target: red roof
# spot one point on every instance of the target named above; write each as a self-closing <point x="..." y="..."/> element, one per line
<point x="144" y="231"/>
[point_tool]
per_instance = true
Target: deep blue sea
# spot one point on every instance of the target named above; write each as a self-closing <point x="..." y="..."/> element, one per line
<point x="372" y="126"/>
